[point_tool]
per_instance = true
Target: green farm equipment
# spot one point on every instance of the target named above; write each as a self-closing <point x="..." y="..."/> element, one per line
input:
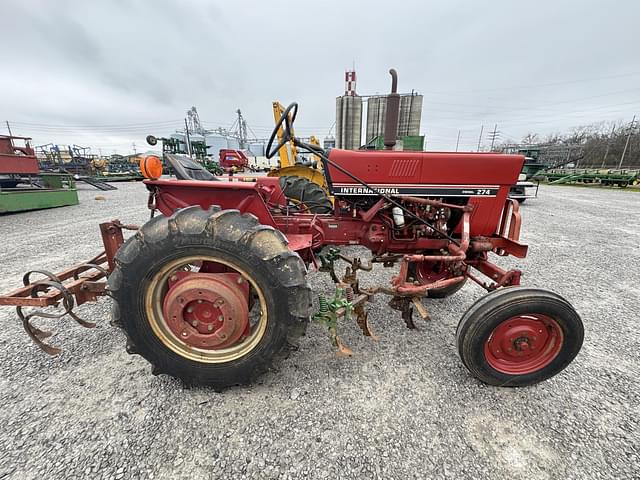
<point x="22" y="185"/>
<point x="611" y="178"/>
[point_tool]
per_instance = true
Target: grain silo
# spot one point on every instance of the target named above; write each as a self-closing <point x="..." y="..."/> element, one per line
<point x="376" y="110"/>
<point x="348" y="122"/>
<point x="409" y="121"/>
<point x="215" y="142"/>
<point x="410" y="115"/>
<point x="257" y="148"/>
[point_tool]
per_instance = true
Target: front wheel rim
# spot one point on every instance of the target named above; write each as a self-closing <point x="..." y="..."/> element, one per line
<point x="524" y="344"/>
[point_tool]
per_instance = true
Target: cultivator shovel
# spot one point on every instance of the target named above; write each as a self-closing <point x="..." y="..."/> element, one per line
<point x="54" y="296"/>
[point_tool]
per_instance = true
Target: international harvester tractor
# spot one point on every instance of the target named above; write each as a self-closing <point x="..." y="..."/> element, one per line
<point x="213" y="288"/>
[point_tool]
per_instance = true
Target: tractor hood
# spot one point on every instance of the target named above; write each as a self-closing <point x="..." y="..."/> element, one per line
<point x="396" y="168"/>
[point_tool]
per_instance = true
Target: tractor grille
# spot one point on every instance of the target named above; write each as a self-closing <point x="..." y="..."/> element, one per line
<point x="404" y="168"/>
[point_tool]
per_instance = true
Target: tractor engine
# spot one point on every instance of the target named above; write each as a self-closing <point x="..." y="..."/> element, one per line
<point x="400" y="223"/>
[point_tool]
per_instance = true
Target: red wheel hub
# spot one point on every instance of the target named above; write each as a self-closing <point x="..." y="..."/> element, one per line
<point x="429" y="272"/>
<point x="207" y="310"/>
<point x="523" y="344"/>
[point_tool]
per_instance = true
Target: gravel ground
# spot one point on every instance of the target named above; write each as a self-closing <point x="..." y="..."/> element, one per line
<point x="403" y="407"/>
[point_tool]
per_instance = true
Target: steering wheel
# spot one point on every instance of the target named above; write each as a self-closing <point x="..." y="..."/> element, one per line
<point x="286" y="135"/>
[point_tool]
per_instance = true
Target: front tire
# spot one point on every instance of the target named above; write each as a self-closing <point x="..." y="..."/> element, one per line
<point x="205" y="246"/>
<point x="517" y="336"/>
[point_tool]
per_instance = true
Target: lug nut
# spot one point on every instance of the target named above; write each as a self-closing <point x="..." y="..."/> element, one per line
<point x="209" y="327"/>
<point x="184" y="333"/>
<point x="199" y="300"/>
<point x="221" y="318"/>
<point x="174" y="278"/>
<point x="239" y="280"/>
<point x="189" y="310"/>
<point x="194" y="323"/>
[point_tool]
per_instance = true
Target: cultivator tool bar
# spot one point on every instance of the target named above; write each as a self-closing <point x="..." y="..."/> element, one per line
<point x="55" y="295"/>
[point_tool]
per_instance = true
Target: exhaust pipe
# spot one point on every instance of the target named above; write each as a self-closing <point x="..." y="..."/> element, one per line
<point x="393" y="113"/>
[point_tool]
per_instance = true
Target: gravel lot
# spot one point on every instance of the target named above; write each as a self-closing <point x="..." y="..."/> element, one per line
<point x="403" y="407"/>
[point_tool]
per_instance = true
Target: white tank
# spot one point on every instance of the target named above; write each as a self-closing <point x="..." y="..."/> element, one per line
<point x="232" y="143"/>
<point x="215" y="142"/>
<point x="257" y="149"/>
<point x="348" y="122"/>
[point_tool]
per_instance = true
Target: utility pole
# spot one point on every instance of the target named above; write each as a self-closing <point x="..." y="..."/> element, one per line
<point x="133" y="145"/>
<point x="242" y="130"/>
<point x="480" y="137"/>
<point x="566" y="162"/>
<point x="606" y="152"/>
<point x="626" y="145"/>
<point x="458" y="141"/>
<point x="494" y="135"/>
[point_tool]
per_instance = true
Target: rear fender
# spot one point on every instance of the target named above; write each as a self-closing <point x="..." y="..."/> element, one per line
<point x="171" y="195"/>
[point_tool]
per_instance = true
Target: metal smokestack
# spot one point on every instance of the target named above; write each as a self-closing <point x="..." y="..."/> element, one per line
<point x="393" y="113"/>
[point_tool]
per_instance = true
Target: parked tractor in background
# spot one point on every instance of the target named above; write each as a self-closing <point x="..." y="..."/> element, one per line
<point x="195" y="150"/>
<point x="233" y="161"/>
<point x="23" y="186"/>
<point x="214" y="287"/>
<point x="301" y="178"/>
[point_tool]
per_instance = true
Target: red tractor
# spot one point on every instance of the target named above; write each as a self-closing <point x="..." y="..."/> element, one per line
<point x="214" y="287"/>
<point x="233" y="160"/>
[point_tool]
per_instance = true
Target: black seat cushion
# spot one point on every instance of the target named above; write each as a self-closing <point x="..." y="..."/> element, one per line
<point x="186" y="168"/>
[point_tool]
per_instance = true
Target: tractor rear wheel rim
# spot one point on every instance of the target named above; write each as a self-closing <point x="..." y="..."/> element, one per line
<point x="225" y="328"/>
<point x="206" y="310"/>
<point x="523" y="344"/>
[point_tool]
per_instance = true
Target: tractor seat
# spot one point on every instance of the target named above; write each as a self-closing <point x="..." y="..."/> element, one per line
<point x="184" y="168"/>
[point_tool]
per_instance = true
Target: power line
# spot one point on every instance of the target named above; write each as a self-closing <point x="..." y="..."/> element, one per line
<point x="85" y="125"/>
<point x="493" y="136"/>
<point x="550" y="84"/>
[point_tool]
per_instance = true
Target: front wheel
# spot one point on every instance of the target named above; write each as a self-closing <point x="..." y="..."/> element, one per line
<point x="517" y="336"/>
<point x="307" y="195"/>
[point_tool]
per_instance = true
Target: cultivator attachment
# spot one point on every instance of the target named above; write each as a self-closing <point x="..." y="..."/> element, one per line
<point x="349" y="298"/>
<point x="51" y="291"/>
<point x="419" y="276"/>
<point x="55" y="295"/>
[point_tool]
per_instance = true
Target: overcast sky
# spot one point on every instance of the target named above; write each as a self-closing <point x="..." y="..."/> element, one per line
<point x="106" y="74"/>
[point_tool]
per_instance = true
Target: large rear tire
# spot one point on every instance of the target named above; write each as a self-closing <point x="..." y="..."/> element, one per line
<point x="308" y="195"/>
<point x="517" y="336"/>
<point x="219" y="251"/>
